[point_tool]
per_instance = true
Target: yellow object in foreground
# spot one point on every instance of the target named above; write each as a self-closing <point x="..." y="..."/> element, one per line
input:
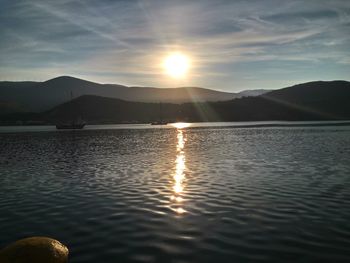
<point x="35" y="250"/>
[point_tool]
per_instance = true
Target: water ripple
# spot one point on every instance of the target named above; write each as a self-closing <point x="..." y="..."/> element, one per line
<point x="181" y="195"/>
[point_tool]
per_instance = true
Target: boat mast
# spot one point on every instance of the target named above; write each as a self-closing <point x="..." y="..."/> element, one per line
<point x="160" y="112"/>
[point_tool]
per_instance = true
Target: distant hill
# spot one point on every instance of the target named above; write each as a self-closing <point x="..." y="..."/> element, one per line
<point x="321" y="100"/>
<point x="318" y="100"/>
<point x="329" y="99"/>
<point x="95" y="109"/>
<point x="14" y="95"/>
<point x="252" y="93"/>
<point x="309" y="101"/>
<point x="40" y="96"/>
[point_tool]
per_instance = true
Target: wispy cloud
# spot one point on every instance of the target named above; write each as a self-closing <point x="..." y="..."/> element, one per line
<point x="125" y="41"/>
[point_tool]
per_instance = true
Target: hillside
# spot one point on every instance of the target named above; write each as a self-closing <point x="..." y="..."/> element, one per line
<point x="309" y="101"/>
<point x="329" y="99"/>
<point x="40" y="96"/>
<point x="95" y="109"/>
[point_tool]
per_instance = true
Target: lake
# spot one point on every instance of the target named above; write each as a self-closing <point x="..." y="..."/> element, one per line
<point x="203" y="193"/>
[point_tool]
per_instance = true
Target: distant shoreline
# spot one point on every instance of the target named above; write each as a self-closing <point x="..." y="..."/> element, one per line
<point x="193" y="125"/>
<point x="296" y="124"/>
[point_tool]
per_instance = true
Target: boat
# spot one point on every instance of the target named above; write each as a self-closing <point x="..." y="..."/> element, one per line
<point x="75" y="124"/>
<point x="160" y="121"/>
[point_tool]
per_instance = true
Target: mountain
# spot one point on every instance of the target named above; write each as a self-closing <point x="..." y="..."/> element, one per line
<point x="13" y="95"/>
<point x="95" y="109"/>
<point x="252" y="93"/>
<point x="40" y="96"/>
<point x="327" y="99"/>
<point x="320" y="100"/>
<point x="308" y="101"/>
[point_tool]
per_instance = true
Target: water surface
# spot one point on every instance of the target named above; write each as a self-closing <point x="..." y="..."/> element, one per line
<point x="205" y="194"/>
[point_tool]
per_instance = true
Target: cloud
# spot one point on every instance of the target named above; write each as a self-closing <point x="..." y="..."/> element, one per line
<point x="125" y="41"/>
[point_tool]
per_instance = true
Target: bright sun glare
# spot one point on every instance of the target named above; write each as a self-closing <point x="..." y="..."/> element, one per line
<point x="180" y="125"/>
<point x="176" y="65"/>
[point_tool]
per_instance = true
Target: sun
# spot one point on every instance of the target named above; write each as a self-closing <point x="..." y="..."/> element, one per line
<point x="176" y="65"/>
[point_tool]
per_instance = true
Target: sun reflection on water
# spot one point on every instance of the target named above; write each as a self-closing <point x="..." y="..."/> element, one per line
<point x="180" y="167"/>
<point x="180" y="125"/>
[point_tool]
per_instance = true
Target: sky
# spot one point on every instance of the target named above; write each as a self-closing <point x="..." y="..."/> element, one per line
<point x="232" y="45"/>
